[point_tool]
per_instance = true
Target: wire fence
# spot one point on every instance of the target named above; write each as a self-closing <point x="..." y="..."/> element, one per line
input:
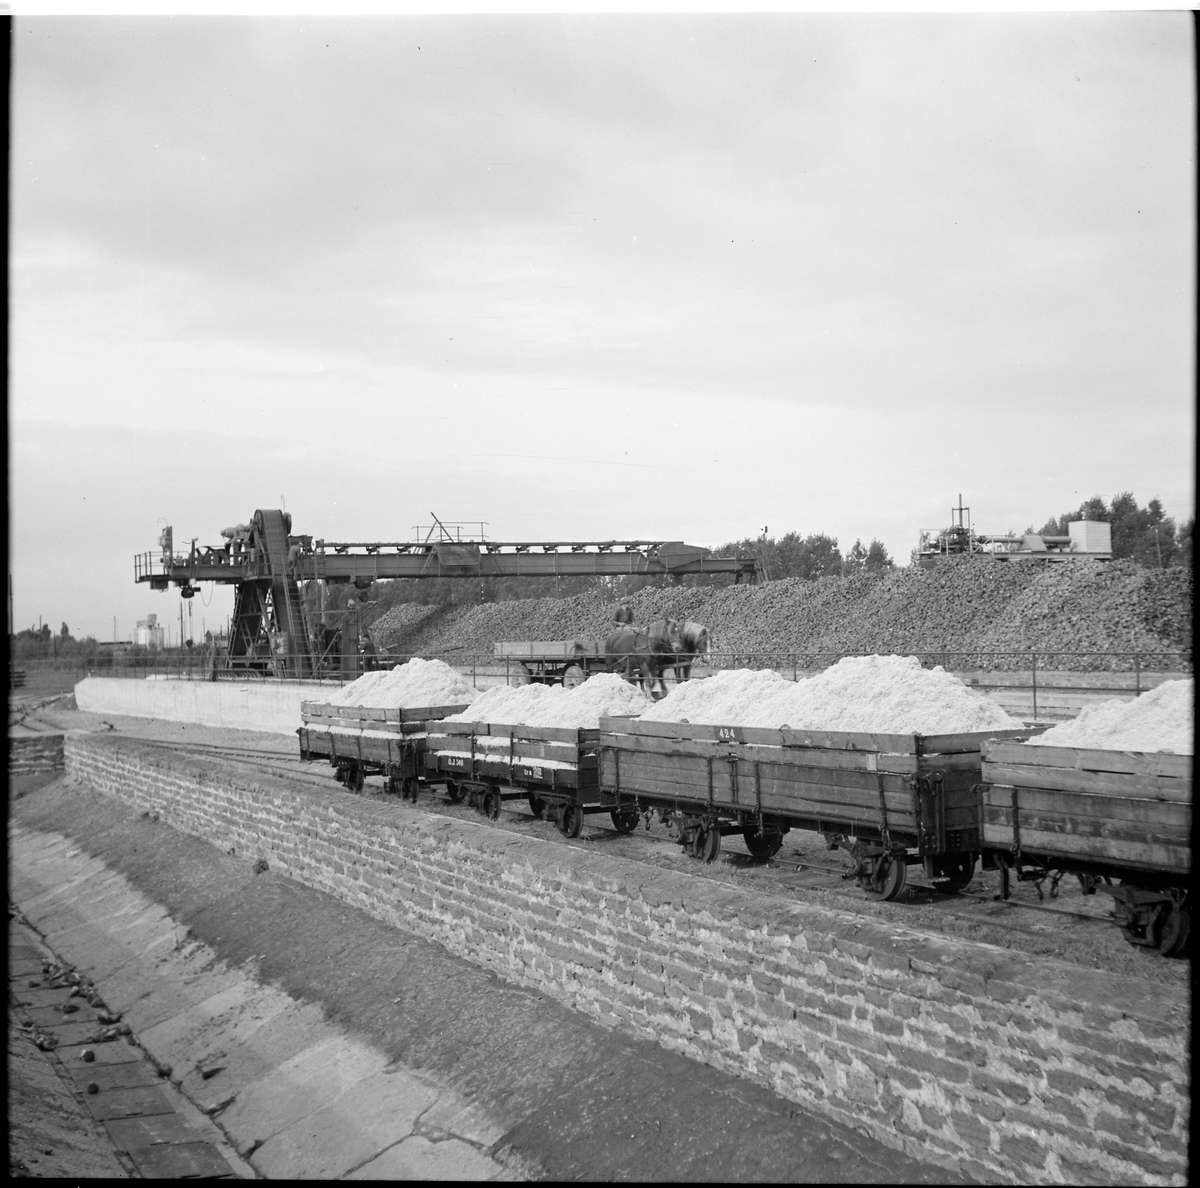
<point x="1128" y="670"/>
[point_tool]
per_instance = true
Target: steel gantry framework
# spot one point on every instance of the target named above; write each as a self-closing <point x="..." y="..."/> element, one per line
<point x="267" y="563"/>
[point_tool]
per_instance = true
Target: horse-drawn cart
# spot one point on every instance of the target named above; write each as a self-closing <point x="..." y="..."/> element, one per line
<point x="567" y="662"/>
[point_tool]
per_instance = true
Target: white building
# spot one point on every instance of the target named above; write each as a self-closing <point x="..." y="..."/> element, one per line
<point x="149" y="634"/>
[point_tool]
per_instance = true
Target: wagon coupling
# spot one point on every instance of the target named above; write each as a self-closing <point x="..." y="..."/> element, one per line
<point x="1155" y="918"/>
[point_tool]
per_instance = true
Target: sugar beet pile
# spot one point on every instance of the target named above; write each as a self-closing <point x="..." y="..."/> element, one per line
<point x="962" y="605"/>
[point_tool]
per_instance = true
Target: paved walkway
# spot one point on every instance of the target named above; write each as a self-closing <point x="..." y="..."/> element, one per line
<point x="83" y="1108"/>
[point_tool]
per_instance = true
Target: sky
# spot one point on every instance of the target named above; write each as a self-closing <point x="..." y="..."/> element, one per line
<point x="660" y="276"/>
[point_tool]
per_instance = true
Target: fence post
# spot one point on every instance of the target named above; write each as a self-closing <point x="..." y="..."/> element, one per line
<point x="1033" y="657"/>
<point x="1137" y="670"/>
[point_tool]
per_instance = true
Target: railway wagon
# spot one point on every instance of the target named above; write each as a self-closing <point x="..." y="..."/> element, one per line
<point x="360" y="741"/>
<point x="553" y="768"/>
<point x="1102" y="815"/>
<point x="890" y="799"/>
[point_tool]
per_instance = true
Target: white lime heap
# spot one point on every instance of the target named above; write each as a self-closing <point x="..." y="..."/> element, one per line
<point x="1159" y="720"/>
<point x="603" y="695"/>
<point x="873" y="694"/>
<point x="418" y="683"/>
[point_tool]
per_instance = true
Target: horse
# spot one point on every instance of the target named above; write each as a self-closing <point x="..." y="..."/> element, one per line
<point x="694" y="641"/>
<point x="644" y="653"/>
<point x="627" y="652"/>
<point x="664" y="649"/>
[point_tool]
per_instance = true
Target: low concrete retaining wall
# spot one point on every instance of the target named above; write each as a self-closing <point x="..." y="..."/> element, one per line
<point x="31" y="754"/>
<point x="271" y="706"/>
<point x="1010" y="1068"/>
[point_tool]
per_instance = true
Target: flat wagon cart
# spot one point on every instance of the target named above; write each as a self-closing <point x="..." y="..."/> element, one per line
<point x="567" y="662"/>
<point x="553" y="768"/>
<point x="1101" y="815"/>
<point x="360" y="741"/>
<point x="890" y="799"/>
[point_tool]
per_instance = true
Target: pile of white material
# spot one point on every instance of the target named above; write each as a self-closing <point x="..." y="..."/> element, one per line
<point x="580" y="708"/>
<point x="1160" y="720"/>
<point x="418" y="683"/>
<point x="874" y="694"/>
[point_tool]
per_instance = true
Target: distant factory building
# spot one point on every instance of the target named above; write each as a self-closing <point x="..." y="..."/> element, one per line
<point x="149" y="634"/>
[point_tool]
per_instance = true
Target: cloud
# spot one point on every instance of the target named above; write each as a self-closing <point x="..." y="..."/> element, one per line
<point x="471" y="257"/>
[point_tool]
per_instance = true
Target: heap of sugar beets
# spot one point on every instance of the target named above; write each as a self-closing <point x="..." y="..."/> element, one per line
<point x="962" y="605"/>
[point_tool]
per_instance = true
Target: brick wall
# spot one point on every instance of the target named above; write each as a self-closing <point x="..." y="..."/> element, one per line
<point x="29" y="754"/>
<point x="1011" y="1068"/>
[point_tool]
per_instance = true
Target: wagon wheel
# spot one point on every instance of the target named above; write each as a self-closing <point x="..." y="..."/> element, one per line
<point x="1143" y="926"/>
<point x="887" y="880"/>
<point x="572" y="820"/>
<point x="1175" y="930"/>
<point x="393" y="784"/>
<point x="573" y="677"/>
<point x="537" y="806"/>
<point x="491" y="804"/>
<point x="954" y="872"/>
<point x="625" y="819"/>
<point x="762" y="845"/>
<point x="706" y="843"/>
<point x="354" y="779"/>
<point x="453" y="791"/>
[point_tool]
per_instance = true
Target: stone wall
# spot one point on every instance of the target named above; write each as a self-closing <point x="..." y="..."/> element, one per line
<point x="31" y="754"/>
<point x="1011" y="1068"/>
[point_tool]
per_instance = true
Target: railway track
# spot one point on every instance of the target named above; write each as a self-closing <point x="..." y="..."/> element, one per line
<point x="779" y="875"/>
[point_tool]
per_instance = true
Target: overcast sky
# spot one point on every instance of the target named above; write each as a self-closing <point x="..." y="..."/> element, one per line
<point x="580" y="278"/>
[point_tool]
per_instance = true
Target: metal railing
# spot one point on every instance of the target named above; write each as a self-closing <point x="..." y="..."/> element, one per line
<point x="1137" y="668"/>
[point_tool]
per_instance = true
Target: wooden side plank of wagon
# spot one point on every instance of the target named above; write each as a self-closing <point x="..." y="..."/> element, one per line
<point x="1037" y="837"/>
<point x="1079" y="806"/>
<point x="1096" y="783"/>
<point x="787" y="791"/>
<point x="1089" y="759"/>
<point x="829" y="740"/>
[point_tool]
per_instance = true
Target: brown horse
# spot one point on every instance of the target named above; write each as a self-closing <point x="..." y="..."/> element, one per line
<point x="694" y="641"/>
<point x="644" y="653"/>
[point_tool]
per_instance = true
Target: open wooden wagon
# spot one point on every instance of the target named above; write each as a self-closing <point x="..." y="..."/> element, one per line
<point x="1103" y="815"/>
<point x="553" y="768"/>
<point x="566" y="662"/>
<point x="890" y="799"/>
<point x="361" y="741"/>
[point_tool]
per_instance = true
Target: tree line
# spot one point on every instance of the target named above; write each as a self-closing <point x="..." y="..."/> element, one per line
<point x="1145" y="535"/>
